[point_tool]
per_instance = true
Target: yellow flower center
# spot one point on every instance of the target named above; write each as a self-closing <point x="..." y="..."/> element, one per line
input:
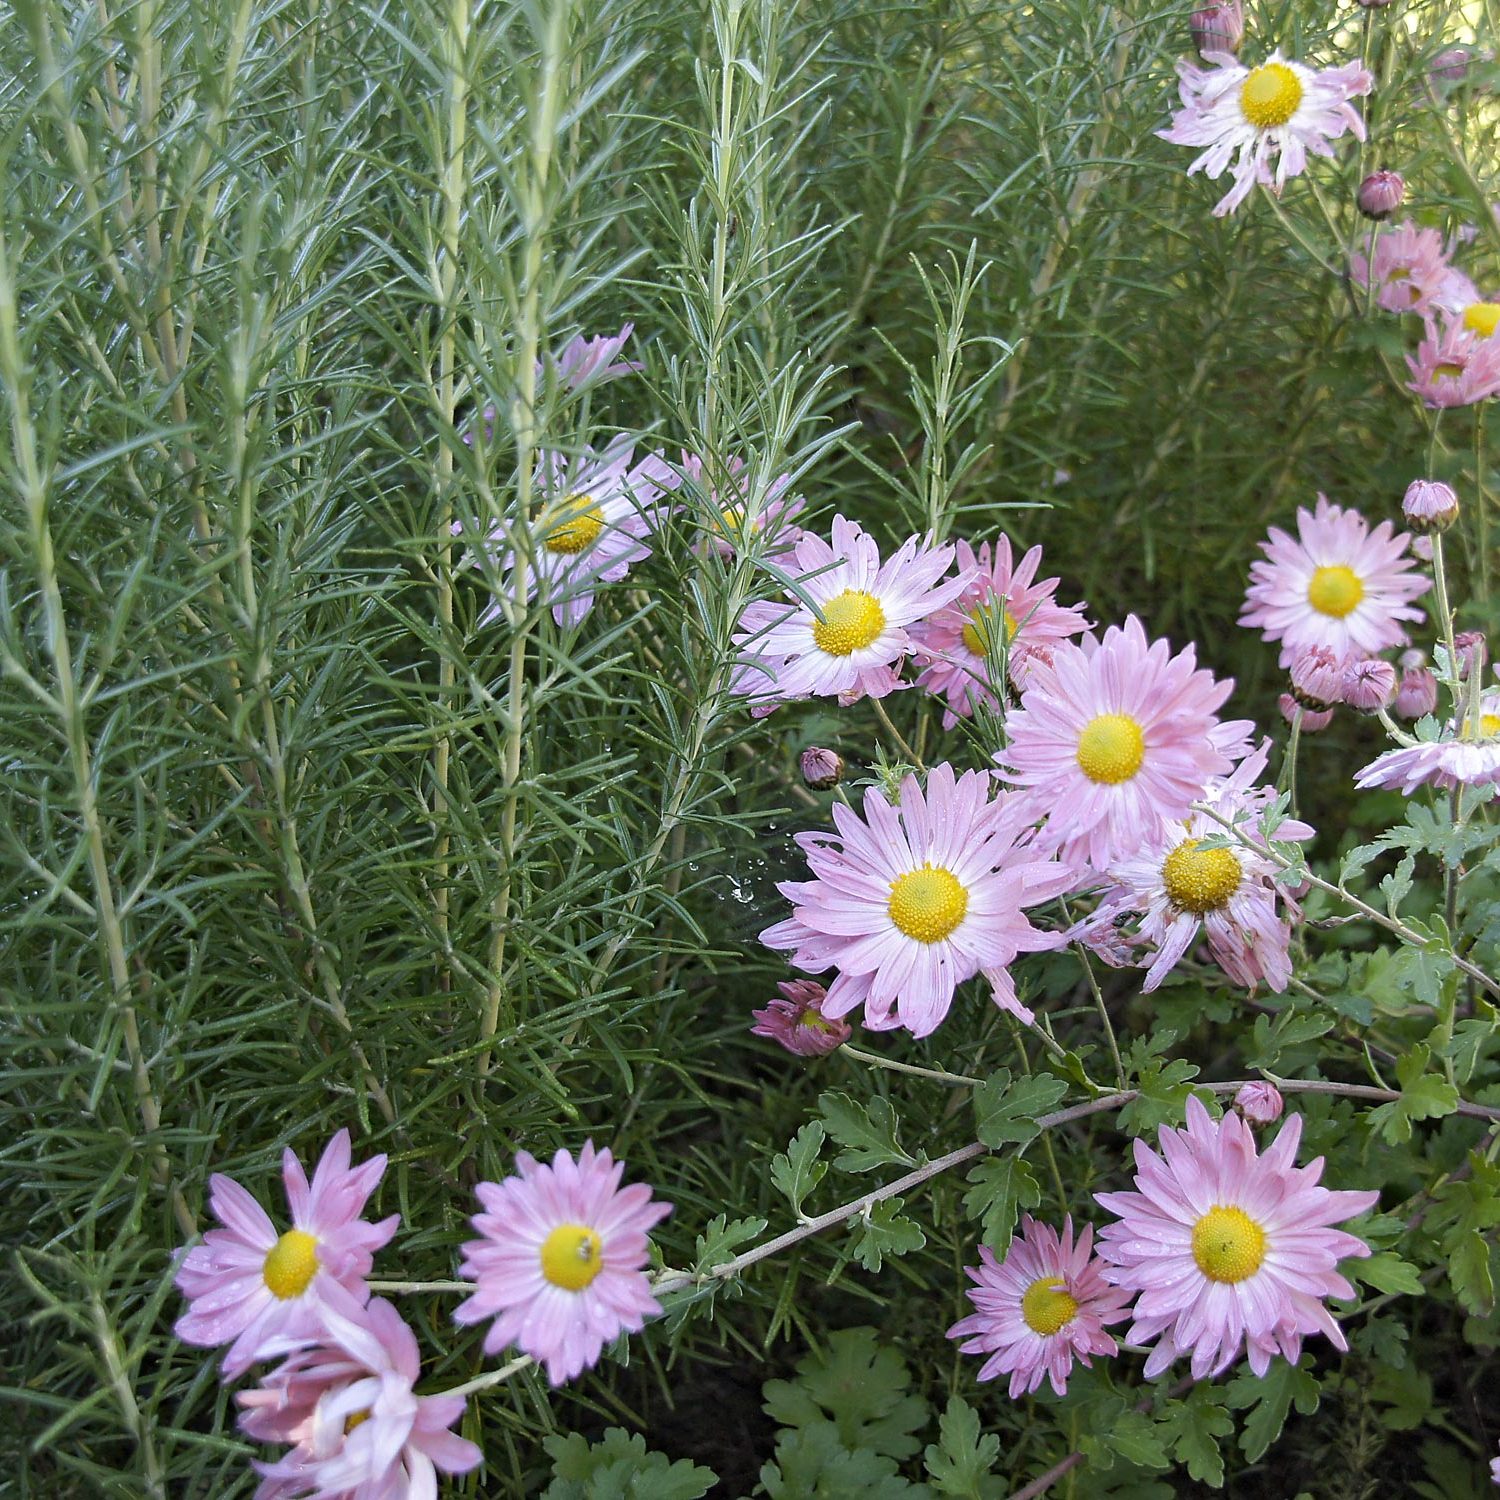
<point x="1046" y="1306"/>
<point x="927" y="904"/>
<point x="1446" y="369"/>
<point x="1270" y="95"/>
<point x="814" y="1022"/>
<point x="1482" y="318"/>
<point x="291" y="1264"/>
<point x="1200" y="880"/>
<point x="1335" y="591"/>
<point x="1111" y="749"/>
<point x="580" y="526"/>
<point x="1228" y="1244"/>
<point x="570" y="1256"/>
<point x="977" y="632"/>
<point x="1489" y="728"/>
<point x="356" y="1419"/>
<point x="851" y="620"/>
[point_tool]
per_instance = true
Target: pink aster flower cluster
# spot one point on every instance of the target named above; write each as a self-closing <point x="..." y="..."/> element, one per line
<point x="1220" y="1252"/>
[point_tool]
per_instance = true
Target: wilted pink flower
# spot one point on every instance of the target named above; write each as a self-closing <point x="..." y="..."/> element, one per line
<point x="1473" y="652"/>
<point x="1410" y="269"/>
<point x="1002" y="605"/>
<point x="357" y="1428"/>
<point x="735" y="519"/>
<point x="796" y="1020"/>
<point x="1381" y="194"/>
<point x="911" y="901"/>
<point x="1282" y="111"/>
<point x="1418" y="694"/>
<point x="856" y="648"/>
<point x="1043" y="1306"/>
<point x="1318" y="678"/>
<point x="1260" y="1103"/>
<point x="1468" y="754"/>
<point x="1112" y="737"/>
<point x="1229" y="1250"/>
<point x="1454" y="365"/>
<point x="250" y="1287"/>
<point x="559" y="1262"/>
<point x="1429" y="504"/>
<point x="1218" y="26"/>
<point x="1228" y="893"/>
<point x="1369" y="685"/>
<point x="1338" y="584"/>
<point x="821" y="768"/>
<point x="593" y="514"/>
<point x="1312" y="719"/>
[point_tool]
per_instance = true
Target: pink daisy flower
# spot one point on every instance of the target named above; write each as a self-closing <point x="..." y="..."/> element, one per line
<point x="255" y="1289"/>
<point x="1338" y="584"/>
<point x="559" y="1262"/>
<point x="1465" y="756"/>
<point x="910" y="901"/>
<point x="1280" y="111"/>
<point x="732" y="525"/>
<point x="1454" y="365"/>
<point x="1410" y="268"/>
<point x="796" y="1020"/>
<point x="1113" y="737"/>
<point x="1229" y="894"/>
<point x="856" y="648"/>
<point x="1228" y="1250"/>
<point x="593" y="515"/>
<point x="1001" y="595"/>
<point x="357" y="1428"/>
<point x="1041" y="1307"/>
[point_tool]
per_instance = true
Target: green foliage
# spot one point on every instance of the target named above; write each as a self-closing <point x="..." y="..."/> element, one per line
<point x="618" y="1467"/>
<point x="797" y="1170"/>
<point x="1006" y="1111"/>
<point x="1001" y="1187"/>
<point x="962" y="1461"/>
<point x="867" y="1132"/>
<point x="1424" y="1096"/>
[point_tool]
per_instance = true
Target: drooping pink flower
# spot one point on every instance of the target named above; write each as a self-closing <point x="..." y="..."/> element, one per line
<point x="867" y="607"/>
<point x="1313" y="720"/>
<point x="1002" y="605"/>
<point x="1045" y="1305"/>
<point x="593" y="513"/>
<point x="1281" y="112"/>
<point x="559" y="1261"/>
<point x="1228" y="1250"/>
<point x="356" y="1427"/>
<point x="1466" y="754"/>
<point x="1229" y="893"/>
<point x="1259" y="1102"/>
<point x="796" y="1020"/>
<point x="1454" y="365"/>
<point x="1338" y="584"/>
<point x="1410" y="267"/>
<point x="1113" y="737"/>
<point x="251" y="1287"/>
<point x="910" y="901"/>
<point x="733" y="519"/>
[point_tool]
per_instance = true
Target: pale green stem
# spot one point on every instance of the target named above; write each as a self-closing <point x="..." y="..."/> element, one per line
<point x="911" y="755"/>
<point x="875" y="1061"/>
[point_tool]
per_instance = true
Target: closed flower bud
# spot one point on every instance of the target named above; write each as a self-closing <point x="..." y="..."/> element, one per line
<point x="1418" y="694"/>
<point x="796" y="1020"/>
<point x="1369" y="685"/>
<point x="1218" y="27"/>
<point x="1313" y="720"/>
<point x="1473" y="651"/>
<point x="1381" y="194"/>
<point x="1317" y="679"/>
<point x="1260" y="1103"/>
<point x="1429" y="505"/>
<point x="821" y="768"/>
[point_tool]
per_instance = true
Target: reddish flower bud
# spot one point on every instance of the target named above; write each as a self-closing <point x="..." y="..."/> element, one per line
<point x="1381" y="194"/>
<point x="1429" y="505"/>
<point x="1318" y="679"/>
<point x="1369" y="685"/>
<point x="821" y="768"/>
<point x="1418" y="694"/>
<point x="1218" y="27"/>
<point x="1260" y="1103"/>
<point x="1313" y="721"/>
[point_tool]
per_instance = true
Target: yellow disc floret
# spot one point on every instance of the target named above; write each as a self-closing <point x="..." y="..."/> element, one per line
<point x="1228" y="1244"/>
<point x="571" y="1256"/>
<point x="291" y="1264"/>
<point x="927" y="904"/>
<point x="1482" y="318"/>
<point x="1335" y="590"/>
<point x="1111" y="749"/>
<point x="582" y="521"/>
<point x="851" y="620"/>
<point x="1047" y="1306"/>
<point x="1489" y="728"/>
<point x="1200" y="880"/>
<point x="976" y="634"/>
<point x="1270" y="95"/>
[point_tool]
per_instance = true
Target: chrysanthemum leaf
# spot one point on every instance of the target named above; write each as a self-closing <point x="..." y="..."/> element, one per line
<point x="619" y="1465"/>
<point x="1424" y="1096"/>
<point x="869" y="1134"/>
<point x="1006" y="1110"/>
<point x="1195" y="1424"/>
<point x="959" y="1463"/>
<point x="797" y="1170"/>
<point x="1001" y="1186"/>
<point x="882" y="1232"/>
<point x="1269" y="1398"/>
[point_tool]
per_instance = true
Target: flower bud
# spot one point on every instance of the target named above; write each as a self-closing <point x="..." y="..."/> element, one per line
<point x="1421" y="546"/>
<point x="1374" y="4"/>
<point x="1381" y="194"/>
<point x="1218" y="26"/>
<point x="1313" y="720"/>
<point x="1418" y="694"/>
<point x="1429" y="505"/>
<point x="1260" y="1103"/>
<point x="1450" y="66"/>
<point x="821" y="768"/>
<point x="796" y="1020"/>
<point x="1317" y="679"/>
<point x="1473" y="651"/>
<point x="1369" y="685"/>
